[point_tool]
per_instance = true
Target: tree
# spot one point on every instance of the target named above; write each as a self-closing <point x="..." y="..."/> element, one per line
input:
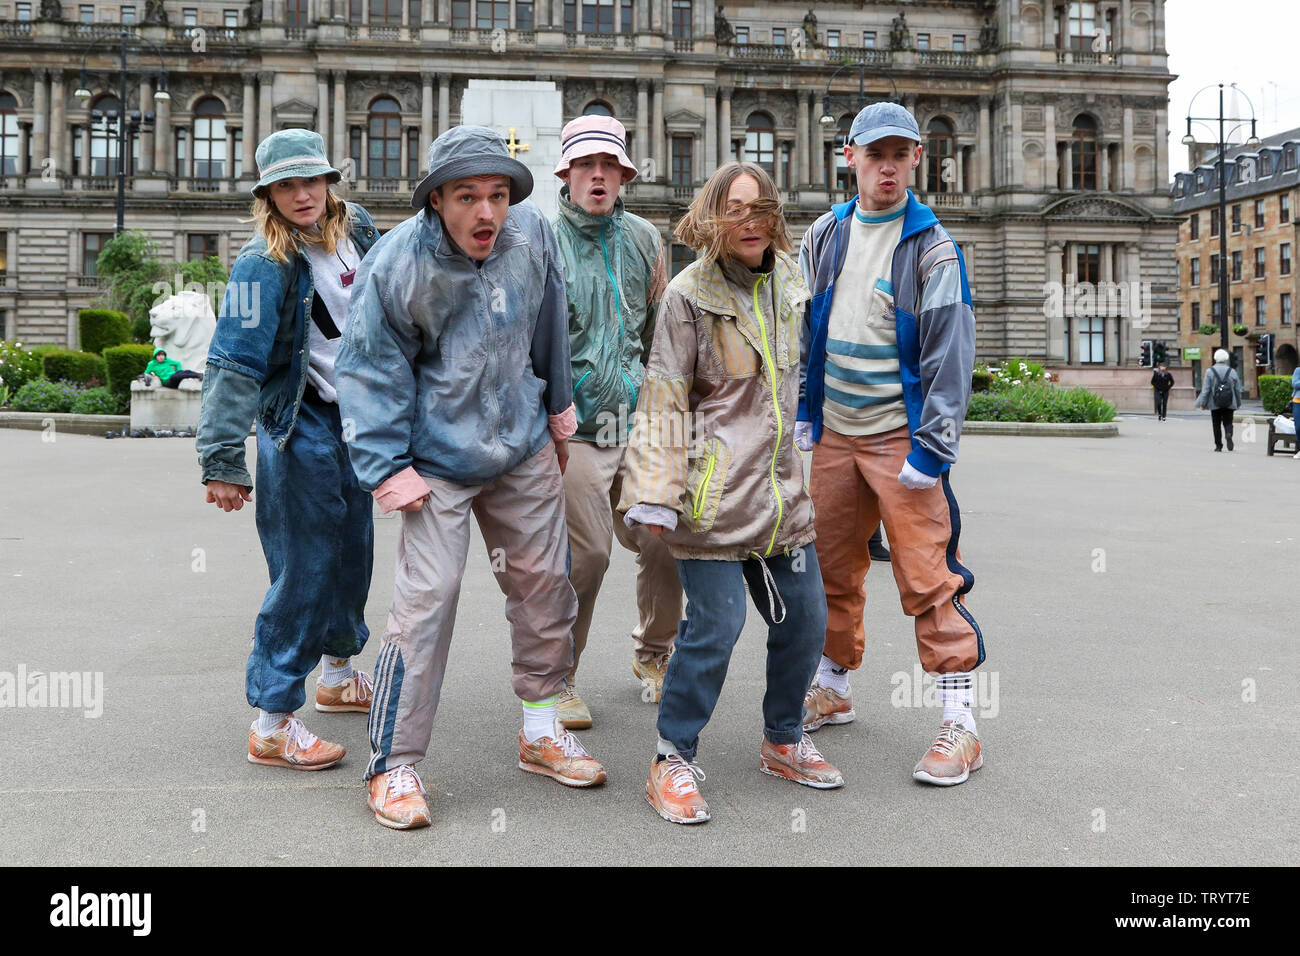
<point x="130" y="265"/>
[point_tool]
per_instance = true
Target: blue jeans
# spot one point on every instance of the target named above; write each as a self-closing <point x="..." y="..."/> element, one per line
<point x="318" y="537"/>
<point x="715" y="615"/>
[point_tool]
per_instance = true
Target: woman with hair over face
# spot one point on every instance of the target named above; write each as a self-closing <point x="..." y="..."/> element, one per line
<point x="272" y="358"/>
<point x="729" y="500"/>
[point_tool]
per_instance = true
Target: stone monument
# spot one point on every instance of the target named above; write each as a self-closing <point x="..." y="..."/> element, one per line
<point x="529" y="115"/>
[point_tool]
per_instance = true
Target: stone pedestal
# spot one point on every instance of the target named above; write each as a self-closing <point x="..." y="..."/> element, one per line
<point x="157" y="407"/>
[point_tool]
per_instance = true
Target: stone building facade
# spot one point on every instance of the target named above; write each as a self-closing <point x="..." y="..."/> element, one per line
<point x="1044" y="123"/>
<point x="1263" y="235"/>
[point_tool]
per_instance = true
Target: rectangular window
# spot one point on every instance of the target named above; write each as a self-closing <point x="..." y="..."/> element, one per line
<point x="626" y="22"/>
<point x="959" y="42"/>
<point x="1082" y="25"/>
<point x="1087" y="263"/>
<point x="869" y="39"/>
<point x="1284" y="258"/>
<point x="4" y="256"/>
<point x="1214" y="311"/>
<point x="230" y="19"/>
<point x="1236" y="311"/>
<point x="1260" y="318"/>
<point x="742" y="35"/>
<point x="92" y="243"/>
<point x="778" y="36"/>
<point x="412" y="154"/>
<point x="87" y="13"/>
<point x="832" y="38"/>
<point x="414" y="13"/>
<point x="1286" y="308"/>
<point x="128" y="14"/>
<point x="1236" y="266"/>
<point x="681" y="172"/>
<point x="682" y="256"/>
<point x="22" y="12"/>
<point x="1236" y="217"/>
<point x="1196" y="225"/>
<point x="182" y="158"/>
<point x="1196" y="316"/>
<point x="1195" y="278"/>
<point x="923" y="41"/>
<point x="1284" y="208"/>
<point x="200" y="245"/>
<point x="1259" y="214"/>
<point x="237" y="161"/>
<point x="460" y="14"/>
<point x="356" y="11"/>
<point x="190" y="17"/>
<point x="1214" y="222"/>
<point x="295" y="13"/>
<point x="492" y="14"/>
<point x="354" y="150"/>
<point x="1214" y="269"/>
<point x="682" y="28"/>
<point x="1092" y="340"/>
<point x="1259" y="262"/>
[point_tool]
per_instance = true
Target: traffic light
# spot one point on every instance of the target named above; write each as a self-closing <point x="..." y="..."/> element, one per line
<point x="1158" y="353"/>
<point x="1145" y="361"/>
<point x="1264" y="349"/>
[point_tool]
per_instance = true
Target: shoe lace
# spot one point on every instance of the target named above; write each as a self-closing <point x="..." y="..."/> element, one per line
<point x="682" y="774"/>
<point x="570" y="746"/>
<point x="404" y="780"/>
<point x="298" y="737"/>
<point x="949" y="738"/>
<point x="806" y="751"/>
<point x="365" y="685"/>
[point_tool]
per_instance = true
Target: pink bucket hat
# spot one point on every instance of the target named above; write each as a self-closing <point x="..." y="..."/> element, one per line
<point x="588" y="135"/>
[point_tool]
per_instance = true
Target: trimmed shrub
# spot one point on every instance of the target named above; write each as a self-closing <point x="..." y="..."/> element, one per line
<point x="103" y="328"/>
<point x="18" y="365"/>
<point x="1240" y="329"/>
<point x="1039" y="402"/>
<point x="42" y="395"/>
<point x="124" y="363"/>
<point x="979" y="381"/>
<point x="1275" y="393"/>
<point x="66" y="365"/>
<point x="96" y="401"/>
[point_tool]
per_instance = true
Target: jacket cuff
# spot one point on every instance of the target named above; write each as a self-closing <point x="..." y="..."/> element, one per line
<point x="400" y="489"/>
<point x="232" y="474"/>
<point x="926" y="462"/>
<point x="802" y="414"/>
<point x="564" y="424"/>
<point x="651" y="514"/>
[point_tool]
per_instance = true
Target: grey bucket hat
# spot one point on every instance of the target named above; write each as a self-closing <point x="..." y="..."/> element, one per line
<point x="880" y="120"/>
<point x="292" y="153"/>
<point x="471" y="151"/>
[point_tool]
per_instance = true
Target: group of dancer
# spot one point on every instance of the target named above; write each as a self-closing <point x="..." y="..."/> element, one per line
<point x="473" y="359"/>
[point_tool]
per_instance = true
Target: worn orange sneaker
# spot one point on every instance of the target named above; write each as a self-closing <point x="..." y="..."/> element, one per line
<point x="951" y="758"/>
<point x="800" y="763"/>
<point x="293" y="746"/>
<point x="561" y="758"/>
<point x="672" y="791"/>
<point x="352" y="696"/>
<point x="397" y="797"/>
<point x="651" y="675"/>
<point x="821" y="706"/>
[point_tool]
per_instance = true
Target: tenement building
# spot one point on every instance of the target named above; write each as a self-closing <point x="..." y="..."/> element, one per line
<point x="1045" y="128"/>
<point x="1261" y="225"/>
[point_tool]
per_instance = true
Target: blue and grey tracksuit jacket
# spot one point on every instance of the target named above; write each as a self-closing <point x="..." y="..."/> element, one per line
<point x="933" y="318"/>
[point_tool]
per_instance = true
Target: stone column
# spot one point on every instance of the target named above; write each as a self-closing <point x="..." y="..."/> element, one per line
<point x="84" y="169"/>
<point x="266" y="84"/>
<point x="23" y="137"/>
<point x="643" y="123"/>
<point x="322" y="116"/>
<point x="1103" y="165"/>
<point x="724" y="129"/>
<point x="1016" y="167"/>
<point x="984" y="154"/>
<point x="1051" y="151"/>
<point x="816" y="154"/>
<point x="710" y="128"/>
<point x="40" y="118"/>
<point x="164" y="144"/>
<point x="1055" y="323"/>
<point x="1158" y="25"/>
<point x="426" y="114"/>
<point x="339" y="124"/>
<point x="146" y="136"/>
<point x="1161" y="178"/>
<point x="960" y="185"/>
<point x="657" y="111"/>
<point x="364" y="171"/>
<point x="1067" y="159"/>
<point x="58" y="134"/>
<point x="444" y="103"/>
<point x="1126" y="152"/>
<point x="801" y="138"/>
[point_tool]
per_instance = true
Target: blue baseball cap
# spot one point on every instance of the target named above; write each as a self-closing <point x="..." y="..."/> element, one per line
<point x="880" y="120"/>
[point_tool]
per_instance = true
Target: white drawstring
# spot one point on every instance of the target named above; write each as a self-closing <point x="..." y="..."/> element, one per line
<point x="770" y="583"/>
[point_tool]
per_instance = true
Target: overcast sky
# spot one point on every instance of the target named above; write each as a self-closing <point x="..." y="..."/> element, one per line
<point x="1253" y="43"/>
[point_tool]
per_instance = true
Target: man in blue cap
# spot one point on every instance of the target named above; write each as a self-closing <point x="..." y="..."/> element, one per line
<point x="888" y="347"/>
<point x="455" y="376"/>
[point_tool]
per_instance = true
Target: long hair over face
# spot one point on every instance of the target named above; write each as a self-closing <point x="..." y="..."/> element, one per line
<point x="708" y="228"/>
<point x="281" y="235"/>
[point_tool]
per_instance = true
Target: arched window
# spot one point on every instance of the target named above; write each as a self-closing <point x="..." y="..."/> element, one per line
<point x="103" y="136"/>
<point x="760" y="141"/>
<point x="385" y="139"/>
<point x="1083" y="152"/>
<point x="597" y="108"/>
<point x="209" y="139"/>
<point x="940" y="162"/>
<point x="8" y="135"/>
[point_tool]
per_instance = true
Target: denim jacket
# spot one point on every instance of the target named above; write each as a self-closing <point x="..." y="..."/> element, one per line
<point x="451" y="368"/>
<point x="257" y="367"/>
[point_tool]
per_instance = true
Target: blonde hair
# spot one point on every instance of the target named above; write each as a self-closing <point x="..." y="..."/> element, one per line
<point x="281" y="234"/>
<point x="707" y="227"/>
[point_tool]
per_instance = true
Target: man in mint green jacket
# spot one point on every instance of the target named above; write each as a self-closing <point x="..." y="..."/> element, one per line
<point x="614" y="275"/>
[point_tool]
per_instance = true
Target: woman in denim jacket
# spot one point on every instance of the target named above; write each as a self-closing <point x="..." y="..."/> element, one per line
<point x="272" y="358"/>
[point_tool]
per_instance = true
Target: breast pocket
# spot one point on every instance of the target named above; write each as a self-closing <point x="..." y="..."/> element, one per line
<point x="880" y="309"/>
<point x="735" y="356"/>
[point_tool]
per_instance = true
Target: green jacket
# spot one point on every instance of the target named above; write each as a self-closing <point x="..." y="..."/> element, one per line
<point x="164" y="369"/>
<point x="614" y="274"/>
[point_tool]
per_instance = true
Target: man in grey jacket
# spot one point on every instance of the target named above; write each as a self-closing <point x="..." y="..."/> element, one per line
<point x="454" y="380"/>
<point x="1221" y="402"/>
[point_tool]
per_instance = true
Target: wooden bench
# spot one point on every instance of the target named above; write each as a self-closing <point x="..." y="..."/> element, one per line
<point x="1275" y="437"/>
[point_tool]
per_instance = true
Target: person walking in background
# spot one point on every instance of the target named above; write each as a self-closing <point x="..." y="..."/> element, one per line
<point x="1162" y="380"/>
<point x="1221" y="394"/>
<point x="1295" y="407"/>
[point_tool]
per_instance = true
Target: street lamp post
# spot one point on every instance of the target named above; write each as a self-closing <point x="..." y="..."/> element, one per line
<point x="1220" y="172"/>
<point x="827" y="119"/>
<point x="129" y="122"/>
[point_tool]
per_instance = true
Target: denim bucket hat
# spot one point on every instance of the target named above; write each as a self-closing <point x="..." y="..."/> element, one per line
<point x="471" y="151"/>
<point x="292" y="153"/>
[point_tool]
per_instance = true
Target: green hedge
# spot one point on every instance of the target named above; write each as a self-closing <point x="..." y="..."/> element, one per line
<point x="1039" y="402"/>
<point x="96" y="401"/>
<point x="125" y="362"/>
<point x="1275" y="393"/>
<point x="69" y="366"/>
<point x="103" y="328"/>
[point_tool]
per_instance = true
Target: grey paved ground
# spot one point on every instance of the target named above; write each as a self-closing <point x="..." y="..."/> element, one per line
<point x="1120" y="692"/>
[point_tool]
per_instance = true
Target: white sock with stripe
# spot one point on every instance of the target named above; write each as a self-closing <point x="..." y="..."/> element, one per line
<point x="957" y="692"/>
<point x="336" y="671"/>
<point x="539" y="719"/>
<point x="830" y="674"/>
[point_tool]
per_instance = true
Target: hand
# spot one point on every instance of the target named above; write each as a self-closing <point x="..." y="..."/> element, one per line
<point x="655" y="529"/>
<point x="415" y="505"/>
<point x="803" y="439"/>
<point x="226" y="496"/>
<point x="562" y="452"/>
<point x="909" y="477"/>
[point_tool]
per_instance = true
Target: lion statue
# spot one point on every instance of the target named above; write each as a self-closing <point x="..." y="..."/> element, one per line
<point x="183" y="325"/>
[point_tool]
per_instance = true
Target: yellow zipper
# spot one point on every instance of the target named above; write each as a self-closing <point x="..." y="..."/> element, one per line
<point x="703" y="490"/>
<point x="776" y="406"/>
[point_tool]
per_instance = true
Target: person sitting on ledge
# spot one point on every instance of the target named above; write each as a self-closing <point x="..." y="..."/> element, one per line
<point x="168" y="371"/>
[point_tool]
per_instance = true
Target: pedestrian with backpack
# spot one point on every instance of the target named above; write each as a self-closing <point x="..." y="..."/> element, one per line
<point x="1221" y="394"/>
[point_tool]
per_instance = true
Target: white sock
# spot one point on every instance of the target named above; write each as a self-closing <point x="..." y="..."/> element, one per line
<point x="830" y="674"/>
<point x="539" y="719"/>
<point x="267" y="723"/>
<point x="958" y="694"/>
<point x="336" y="671"/>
